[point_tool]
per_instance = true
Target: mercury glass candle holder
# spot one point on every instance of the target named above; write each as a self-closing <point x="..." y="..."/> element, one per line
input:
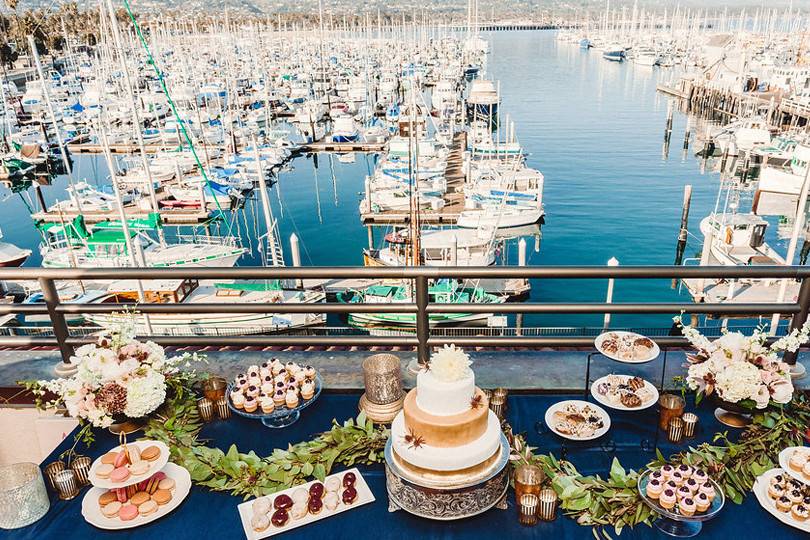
<point x="81" y="466"/>
<point x="206" y="408"/>
<point x="675" y="434"/>
<point x="382" y="378"/>
<point x="23" y="497"/>
<point x="690" y="421"/>
<point x="548" y="505"/>
<point x="528" y="480"/>
<point x="527" y="509"/>
<point x="221" y="405"/>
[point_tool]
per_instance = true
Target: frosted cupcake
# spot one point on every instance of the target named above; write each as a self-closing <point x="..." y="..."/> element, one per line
<point x="291" y="399"/>
<point x="307" y="390"/>
<point x="238" y="399"/>
<point x="279" y="398"/>
<point x="654" y="489"/>
<point x="687" y="507"/>
<point x="268" y="405"/>
<point x="251" y="404"/>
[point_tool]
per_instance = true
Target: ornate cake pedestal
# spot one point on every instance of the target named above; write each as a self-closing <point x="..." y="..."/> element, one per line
<point x="447" y="500"/>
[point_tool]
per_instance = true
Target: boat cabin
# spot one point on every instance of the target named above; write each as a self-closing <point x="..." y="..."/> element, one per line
<point x="164" y="291"/>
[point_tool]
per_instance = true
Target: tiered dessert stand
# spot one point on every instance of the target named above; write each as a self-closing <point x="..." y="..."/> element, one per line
<point x="446" y="497"/>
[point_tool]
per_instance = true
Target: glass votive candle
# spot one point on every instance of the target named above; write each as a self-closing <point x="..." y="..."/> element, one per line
<point x="671" y="407"/>
<point x="81" y="466"/>
<point x="675" y="430"/>
<point x="547" y="510"/>
<point x="690" y="421"/>
<point x="223" y="410"/>
<point x="50" y="472"/>
<point x="498" y="406"/>
<point x="214" y="388"/>
<point x="527" y="509"/>
<point x="23" y="497"/>
<point x="67" y="485"/>
<point x="206" y="408"/>
<point x="501" y="392"/>
<point x="528" y="480"/>
<point x="487" y="392"/>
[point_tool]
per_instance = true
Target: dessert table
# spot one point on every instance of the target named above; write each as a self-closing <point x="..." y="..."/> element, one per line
<point x="205" y="514"/>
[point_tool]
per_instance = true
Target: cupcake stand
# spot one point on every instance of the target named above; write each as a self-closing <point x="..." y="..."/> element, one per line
<point x="446" y="497"/>
<point x="282" y="416"/>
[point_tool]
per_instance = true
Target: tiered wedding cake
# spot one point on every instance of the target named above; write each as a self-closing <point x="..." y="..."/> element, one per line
<point x="446" y="428"/>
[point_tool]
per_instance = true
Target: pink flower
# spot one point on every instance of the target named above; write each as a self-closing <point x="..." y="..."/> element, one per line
<point x="762" y="397"/>
<point x="781" y="391"/>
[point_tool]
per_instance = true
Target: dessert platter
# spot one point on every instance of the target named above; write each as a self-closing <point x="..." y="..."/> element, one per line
<point x="274" y="393"/>
<point x="446" y="457"/>
<point x="627" y="347"/>
<point x="577" y="420"/>
<point x="303" y="504"/>
<point x="795" y="460"/>
<point x="128" y="464"/>
<point x="137" y="504"/>
<point x="683" y="496"/>
<point x="624" y="392"/>
<point x="784" y="497"/>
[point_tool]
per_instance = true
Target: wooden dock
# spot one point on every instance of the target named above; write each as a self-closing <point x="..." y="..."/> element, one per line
<point x="453" y="199"/>
<point x="324" y="146"/>
<point x="733" y="292"/>
<point x="173" y="216"/>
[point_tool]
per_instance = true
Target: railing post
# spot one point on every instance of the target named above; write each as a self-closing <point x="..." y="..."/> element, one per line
<point x="799" y="318"/>
<point x="60" y="329"/>
<point x="422" y="321"/>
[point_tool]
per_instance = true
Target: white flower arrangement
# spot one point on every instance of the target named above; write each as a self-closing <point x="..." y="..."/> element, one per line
<point x="741" y="369"/>
<point x="115" y="376"/>
<point x="450" y="364"/>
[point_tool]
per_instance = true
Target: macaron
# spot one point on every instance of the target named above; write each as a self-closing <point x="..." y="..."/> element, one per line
<point x="167" y="484"/>
<point x="120" y="459"/>
<point x="139" y="467"/>
<point x="121" y="494"/>
<point x="162" y="496"/>
<point x="119" y="475"/>
<point x="128" y="512"/>
<point x="150" y="453"/>
<point x="104" y="470"/>
<point x="109" y="458"/>
<point x="111" y="509"/>
<point x="147" y="507"/>
<point x="134" y="454"/>
<point x="139" y="498"/>
<point x="106" y="498"/>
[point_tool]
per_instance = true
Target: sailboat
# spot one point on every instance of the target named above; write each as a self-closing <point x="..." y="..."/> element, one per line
<point x="11" y="255"/>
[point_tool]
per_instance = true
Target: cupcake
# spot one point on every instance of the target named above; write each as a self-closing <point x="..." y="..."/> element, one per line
<point x="279" y="398"/>
<point x="667" y="499"/>
<point x="254" y="381"/>
<point x="307" y="390"/>
<point x="669" y="484"/>
<point x="708" y="489"/>
<point x="265" y="372"/>
<point x="685" y="470"/>
<point x="700" y="476"/>
<point x="667" y="471"/>
<point x="683" y="493"/>
<point x="657" y="475"/>
<point x="799" y="512"/>
<point x="268" y="389"/>
<point x="253" y="371"/>
<point x="654" y="489"/>
<point x="291" y="398"/>
<point x="277" y="367"/>
<point x="268" y="405"/>
<point x="783" y="504"/>
<point x="678" y="478"/>
<point x="687" y="507"/>
<point x="691" y="485"/>
<point x="309" y="372"/>
<point x="300" y="377"/>
<point x="251" y="404"/>
<point x="291" y="367"/>
<point x="238" y="399"/>
<point x="702" y="502"/>
<point x="252" y="391"/>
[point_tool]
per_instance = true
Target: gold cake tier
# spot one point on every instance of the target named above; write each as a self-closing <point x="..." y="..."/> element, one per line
<point x="447" y="431"/>
<point x="448" y="479"/>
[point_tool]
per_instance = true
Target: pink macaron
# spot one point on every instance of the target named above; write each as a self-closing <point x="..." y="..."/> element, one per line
<point x="128" y="512"/>
<point x="119" y="475"/>
<point x="121" y="494"/>
<point x="120" y="459"/>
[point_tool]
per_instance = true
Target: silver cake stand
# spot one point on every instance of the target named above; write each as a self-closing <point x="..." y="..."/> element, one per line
<point x="463" y="499"/>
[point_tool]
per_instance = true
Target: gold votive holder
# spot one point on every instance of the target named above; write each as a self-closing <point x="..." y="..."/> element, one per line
<point x="66" y="484"/>
<point x="50" y="471"/>
<point x="671" y="407"/>
<point x="222" y="408"/>
<point x="547" y="510"/>
<point x="690" y="421"/>
<point x="528" y="480"/>
<point x="206" y="408"/>
<point x="675" y="433"/>
<point x="498" y="406"/>
<point x="500" y="392"/>
<point x="488" y="393"/>
<point x="81" y="466"/>
<point x="214" y="388"/>
<point x="527" y="509"/>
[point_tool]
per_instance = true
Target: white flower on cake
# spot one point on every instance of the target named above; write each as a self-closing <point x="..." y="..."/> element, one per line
<point x="450" y="364"/>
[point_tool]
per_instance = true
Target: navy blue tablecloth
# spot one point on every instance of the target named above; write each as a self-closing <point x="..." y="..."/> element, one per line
<point x="205" y="514"/>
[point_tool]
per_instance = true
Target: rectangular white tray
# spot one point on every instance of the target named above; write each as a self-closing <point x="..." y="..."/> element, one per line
<point x="364" y="496"/>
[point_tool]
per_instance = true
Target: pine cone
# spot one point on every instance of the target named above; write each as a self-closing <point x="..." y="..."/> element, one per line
<point x="113" y="398"/>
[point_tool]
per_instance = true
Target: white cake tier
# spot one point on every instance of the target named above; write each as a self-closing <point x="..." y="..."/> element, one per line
<point x="444" y="398"/>
<point x="447" y="459"/>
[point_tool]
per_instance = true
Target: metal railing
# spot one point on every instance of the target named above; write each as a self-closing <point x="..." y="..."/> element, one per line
<point x="422" y="339"/>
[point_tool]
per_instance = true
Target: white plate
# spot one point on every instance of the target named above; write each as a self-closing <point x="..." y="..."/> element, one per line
<point x="618" y="406"/>
<point x="784" y="459"/>
<point x="598" y="433"/>
<point x="364" y="496"/>
<point x="92" y="512"/>
<point x="601" y="337"/>
<point x="761" y="492"/>
<point x="154" y="466"/>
